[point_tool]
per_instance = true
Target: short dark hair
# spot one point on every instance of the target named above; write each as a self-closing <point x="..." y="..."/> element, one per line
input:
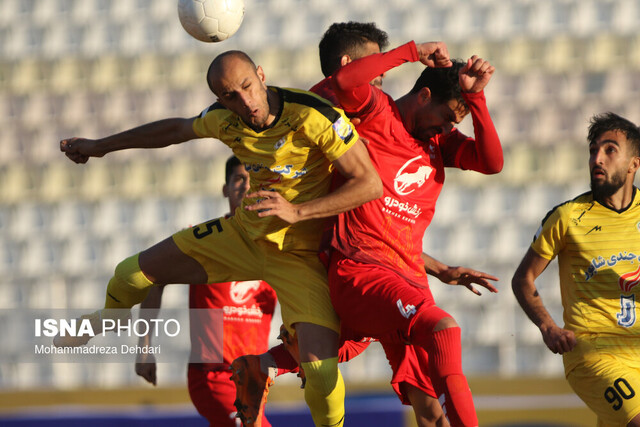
<point x="347" y="38"/>
<point x="601" y="123"/>
<point x="229" y="167"/>
<point x="217" y="62"/>
<point x="444" y="83"/>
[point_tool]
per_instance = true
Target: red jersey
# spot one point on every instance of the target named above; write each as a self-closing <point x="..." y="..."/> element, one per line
<point x="247" y="308"/>
<point x="389" y="231"/>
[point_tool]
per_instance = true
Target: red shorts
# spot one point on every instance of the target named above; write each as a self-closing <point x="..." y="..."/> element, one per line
<point x="213" y="394"/>
<point x="409" y="365"/>
<point x="374" y="301"/>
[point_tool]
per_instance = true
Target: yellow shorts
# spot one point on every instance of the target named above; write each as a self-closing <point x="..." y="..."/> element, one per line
<point x="610" y="386"/>
<point x="226" y="252"/>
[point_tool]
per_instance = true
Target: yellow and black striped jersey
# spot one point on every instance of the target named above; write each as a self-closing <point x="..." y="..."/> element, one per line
<point x="292" y="156"/>
<point x="598" y="252"/>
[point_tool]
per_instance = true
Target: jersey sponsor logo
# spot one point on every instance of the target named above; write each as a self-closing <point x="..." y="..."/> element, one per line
<point x="279" y="144"/>
<point x="407" y="182"/>
<point x="343" y="129"/>
<point x="627" y="316"/>
<point x="241" y="292"/>
<point x="600" y="262"/>
<point x="406" y="311"/>
<point x="401" y="207"/>
<point x="283" y="170"/>
<point x="595" y="228"/>
<point x="629" y="280"/>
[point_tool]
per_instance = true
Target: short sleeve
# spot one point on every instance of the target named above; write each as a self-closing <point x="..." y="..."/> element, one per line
<point x="207" y="124"/>
<point x="549" y="240"/>
<point x="336" y="139"/>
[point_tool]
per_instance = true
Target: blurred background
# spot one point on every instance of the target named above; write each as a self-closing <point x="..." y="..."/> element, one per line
<point x="94" y="67"/>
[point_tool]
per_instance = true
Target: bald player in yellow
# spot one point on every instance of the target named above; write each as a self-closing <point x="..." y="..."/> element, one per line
<point x="289" y="141"/>
<point x="596" y="237"/>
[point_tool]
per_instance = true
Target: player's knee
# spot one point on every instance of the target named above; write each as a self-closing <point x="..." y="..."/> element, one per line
<point x="432" y="319"/>
<point x="128" y="286"/>
<point x="322" y="375"/>
<point x="445" y="323"/>
<point x="129" y="272"/>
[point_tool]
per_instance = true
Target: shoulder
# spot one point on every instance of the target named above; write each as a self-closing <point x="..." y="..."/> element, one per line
<point x="215" y="108"/>
<point x="310" y="104"/>
<point x="566" y="210"/>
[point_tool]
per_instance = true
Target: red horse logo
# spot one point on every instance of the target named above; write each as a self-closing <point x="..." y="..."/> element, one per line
<point x="241" y="291"/>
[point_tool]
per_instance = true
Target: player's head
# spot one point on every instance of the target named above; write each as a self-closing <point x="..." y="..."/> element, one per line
<point x="345" y="41"/>
<point x="240" y="87"/>
<point x="437" y="102"/>
<point x="614" y="153"/>
<point x="236" y="182"/>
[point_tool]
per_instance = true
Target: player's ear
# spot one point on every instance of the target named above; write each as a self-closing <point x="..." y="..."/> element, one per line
<point x="345" y="60"/>
<point x="260" y="73"/>
<point x="634" y="165"/>
<point x="424" y="96"/>
<point x="225" y="190"/>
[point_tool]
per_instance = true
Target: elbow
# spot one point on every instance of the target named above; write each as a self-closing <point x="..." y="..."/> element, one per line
<point x="495" y="167"/>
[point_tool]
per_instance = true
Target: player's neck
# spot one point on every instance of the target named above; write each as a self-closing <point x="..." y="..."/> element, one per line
<point x="405" y="106"/>
<point x="273" y="98"/>
<point x="621" y="199"/>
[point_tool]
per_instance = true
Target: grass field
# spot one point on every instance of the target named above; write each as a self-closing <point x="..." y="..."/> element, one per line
<point x="522" y="402"/>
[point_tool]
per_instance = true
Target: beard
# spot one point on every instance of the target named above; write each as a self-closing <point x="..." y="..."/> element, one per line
<point x="604" y="189"/>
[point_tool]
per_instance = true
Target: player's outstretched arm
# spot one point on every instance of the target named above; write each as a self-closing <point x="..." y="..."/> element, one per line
<point x="523" y="284"/>
<point x="149" y="308"/>
<point x="456" y="275"/>
<point x="362" y="185"/>
<point x="151" y="135"/>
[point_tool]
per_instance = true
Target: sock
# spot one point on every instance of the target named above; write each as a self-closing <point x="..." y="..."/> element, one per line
<point x="283" y="360"/>
<point x="128" y="286"/>
<point x="324" y="392"/>
<point x="445" y="368"/>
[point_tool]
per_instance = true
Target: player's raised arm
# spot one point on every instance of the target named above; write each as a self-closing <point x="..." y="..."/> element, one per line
<point x="523" y="284"/>
<point x="351" y="82"/>
<point x="151" y="135"/>
<point x="484" y="152"/>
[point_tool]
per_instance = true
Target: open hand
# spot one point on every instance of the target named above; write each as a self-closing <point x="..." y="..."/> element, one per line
<point x="146" y="367"/>
<point x="467" y="277"/>
<point x="271" y="203"/>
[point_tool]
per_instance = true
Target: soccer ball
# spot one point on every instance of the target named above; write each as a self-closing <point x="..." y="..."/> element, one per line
<point x="211" y="20"/>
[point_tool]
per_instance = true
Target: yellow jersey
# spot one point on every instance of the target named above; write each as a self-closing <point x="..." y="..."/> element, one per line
<point x="293" y="156"/>
<point x="598" y="252"/>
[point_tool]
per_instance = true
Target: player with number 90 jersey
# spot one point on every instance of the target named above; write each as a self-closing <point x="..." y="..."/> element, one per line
<point x="598" y="253"/>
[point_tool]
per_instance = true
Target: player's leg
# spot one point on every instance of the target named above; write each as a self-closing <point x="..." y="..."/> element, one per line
<point x="304" y="298"/>
<point x="609" y="384"/>
<point x="212" y="252"/>
<point x="426" y="409"/>
<point x="324" y="386"/>
<point x="437" y="332"/>
<point x="411" y="382"/>
<point x="212" y="395"/>
<point x="378" y="302"/>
